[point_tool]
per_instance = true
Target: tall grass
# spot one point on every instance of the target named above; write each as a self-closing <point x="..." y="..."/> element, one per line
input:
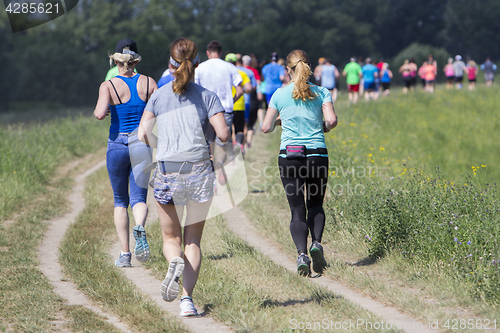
<point x="31" y="152"/>
<point x="415" y="175"/>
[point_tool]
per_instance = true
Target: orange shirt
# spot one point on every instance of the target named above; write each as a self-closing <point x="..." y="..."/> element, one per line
<point x="430" y="72"/>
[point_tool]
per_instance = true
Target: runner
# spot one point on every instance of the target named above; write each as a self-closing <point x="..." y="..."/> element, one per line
<point x="253" y="105"/>
<point x="184" y="175"/>
<point x="329" y="76"/>
<point x="124" y="97"/>
<point x="274" y="75"/>
<point x="449" y="72"/>
<point x="220" y="77"/>
<point x="386" y="76"/>
<point x="370" y="74"/>
<point x="317" y="71"/>
<point x="166" y="77"/>
<point x="460" y="68"/>
<point x="303" y="162"/>
<point x="472" y="74"/>
<point x="489" y="69"/>
<point x="239" y="105"/>
<point x="405" y="71"/>
<point x="353" y="74"/>
<point x="430" y="76"/>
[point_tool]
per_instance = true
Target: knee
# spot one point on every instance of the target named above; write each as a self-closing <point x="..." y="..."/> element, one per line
<point x="298" y="214"/>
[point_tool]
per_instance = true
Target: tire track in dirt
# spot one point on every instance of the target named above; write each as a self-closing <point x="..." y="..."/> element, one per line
<point x="48" y="252"/>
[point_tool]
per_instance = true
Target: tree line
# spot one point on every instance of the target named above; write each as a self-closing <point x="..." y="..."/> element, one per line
<point x="64" y="61"/>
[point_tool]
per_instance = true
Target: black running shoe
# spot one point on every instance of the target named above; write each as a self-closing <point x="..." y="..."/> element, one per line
<point x="318" y="259"/>
<point x="304" y="265"/>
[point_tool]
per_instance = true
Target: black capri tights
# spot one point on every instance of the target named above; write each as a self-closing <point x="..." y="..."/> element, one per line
<point x="304" y="181"/>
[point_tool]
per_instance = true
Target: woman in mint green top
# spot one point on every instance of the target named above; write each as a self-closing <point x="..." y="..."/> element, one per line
<point x="300" y="108"/>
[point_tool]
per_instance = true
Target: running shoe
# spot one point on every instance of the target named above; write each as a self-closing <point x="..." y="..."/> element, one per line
<point x="124" y="260"/>
<point x="318" y="258"/>
<point x="304" y="265"/>
<point x="170" y="285"/>
<point x="187" y="307"/>
<point x="141" y="244"/>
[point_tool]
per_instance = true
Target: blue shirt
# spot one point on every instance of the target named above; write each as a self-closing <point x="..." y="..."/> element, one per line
<point x="272" y="73"/>
<point x="328" y="76"/>
<point x="165" y="79"/>
<point x="369" y="71"/>
<point x="302" y="122"/>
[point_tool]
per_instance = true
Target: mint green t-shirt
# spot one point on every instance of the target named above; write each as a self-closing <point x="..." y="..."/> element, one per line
<point x="352" y="69"/>
<point x="302" y="122"/>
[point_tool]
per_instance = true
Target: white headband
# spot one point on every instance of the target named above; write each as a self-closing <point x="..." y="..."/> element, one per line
<point x="176" y="64"/>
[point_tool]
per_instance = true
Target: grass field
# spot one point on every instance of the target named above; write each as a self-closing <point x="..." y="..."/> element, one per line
<point x="412" y="204"/>
<point x="412" y="193"/>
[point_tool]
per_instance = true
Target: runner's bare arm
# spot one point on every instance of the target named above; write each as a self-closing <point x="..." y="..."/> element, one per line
<point x="218" y="122"/>
<point x="330" y="117"/>
<point x="239" y="92"/>
<point x="146" y="129"/>
<point x="102" y="107"/>
<point x="269" y="122"/>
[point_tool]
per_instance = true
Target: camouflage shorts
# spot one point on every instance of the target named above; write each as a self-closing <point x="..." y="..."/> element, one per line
<point x="179" y="188"/>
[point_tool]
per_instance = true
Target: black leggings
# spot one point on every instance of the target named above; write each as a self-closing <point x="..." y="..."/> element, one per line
<point x="305" y="178"/>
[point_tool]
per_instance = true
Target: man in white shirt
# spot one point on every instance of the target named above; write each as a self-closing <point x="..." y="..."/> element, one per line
<point x="220" y="76"/>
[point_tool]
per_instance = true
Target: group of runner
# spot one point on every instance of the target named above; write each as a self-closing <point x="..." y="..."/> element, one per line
<point x="374" y="79"/>
<point x="195" y="106"/>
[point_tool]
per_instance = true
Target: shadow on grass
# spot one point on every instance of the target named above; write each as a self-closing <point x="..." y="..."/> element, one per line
<point x="367" y="261"/>
<point x="268" y="303"/>
<point x="215" y="257"/>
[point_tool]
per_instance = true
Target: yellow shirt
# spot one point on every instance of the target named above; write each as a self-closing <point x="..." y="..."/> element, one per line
<point x="239" y="105"/>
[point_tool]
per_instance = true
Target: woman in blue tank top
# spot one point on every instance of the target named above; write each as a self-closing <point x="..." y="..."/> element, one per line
<point x="303" y="159"/>
<point x="124" y="97"/>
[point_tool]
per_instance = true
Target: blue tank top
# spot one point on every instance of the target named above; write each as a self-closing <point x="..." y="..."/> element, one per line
<point x="385" y="77"/>
<point x="125" y="117"/>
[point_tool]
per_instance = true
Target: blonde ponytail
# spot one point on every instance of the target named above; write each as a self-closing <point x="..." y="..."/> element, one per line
<point x="184" y="58"/>
<point x="300" y="68"/>
<point x="127" y="58"/>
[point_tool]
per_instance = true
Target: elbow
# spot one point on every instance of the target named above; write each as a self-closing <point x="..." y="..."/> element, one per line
<point x="141" y="136"/>
<point x="99" y="116"/>
<point x="266" y="128"/>
<point x="224" y="137"/>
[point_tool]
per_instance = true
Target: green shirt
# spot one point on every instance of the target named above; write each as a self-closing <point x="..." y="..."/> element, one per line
<point x="114" y="72"/>
<point x="352" y="69"/>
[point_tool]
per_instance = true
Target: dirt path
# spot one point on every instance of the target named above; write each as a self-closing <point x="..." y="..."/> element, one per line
<point x="48" y="252"/>
<point x="150" y="285"/>
<point x="240" y="225"/>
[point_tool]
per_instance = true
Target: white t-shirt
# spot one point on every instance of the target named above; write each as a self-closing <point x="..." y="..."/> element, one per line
<point x="219" y="76"/>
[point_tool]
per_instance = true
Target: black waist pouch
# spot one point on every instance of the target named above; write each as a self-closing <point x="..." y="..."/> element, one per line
<point x="295" y="152"/>
<point x="180" y="167"/>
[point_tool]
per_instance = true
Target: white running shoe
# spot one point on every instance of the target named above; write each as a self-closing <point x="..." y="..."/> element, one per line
<point x="187" y="307"/>
<point x="170" y="285"/>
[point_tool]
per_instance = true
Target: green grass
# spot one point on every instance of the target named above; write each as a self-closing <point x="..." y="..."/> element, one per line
<point x="84" y="255"/>
<point x="31" y="152"/>
<point x="29" y="196"/>
<point x="245" y="290"/>
<point x="402" y="169"/>
<point x="424" y="166"/>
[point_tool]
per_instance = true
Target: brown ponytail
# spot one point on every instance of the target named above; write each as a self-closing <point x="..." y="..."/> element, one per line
<point x="300" y="69"/>
<point x="183" y="52"/>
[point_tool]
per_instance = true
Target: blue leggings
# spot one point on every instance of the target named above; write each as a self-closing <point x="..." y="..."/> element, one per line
<point x="126" y="159"/>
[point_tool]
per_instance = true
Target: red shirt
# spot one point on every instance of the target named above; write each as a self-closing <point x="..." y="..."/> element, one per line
<point x="255" y="72"/>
